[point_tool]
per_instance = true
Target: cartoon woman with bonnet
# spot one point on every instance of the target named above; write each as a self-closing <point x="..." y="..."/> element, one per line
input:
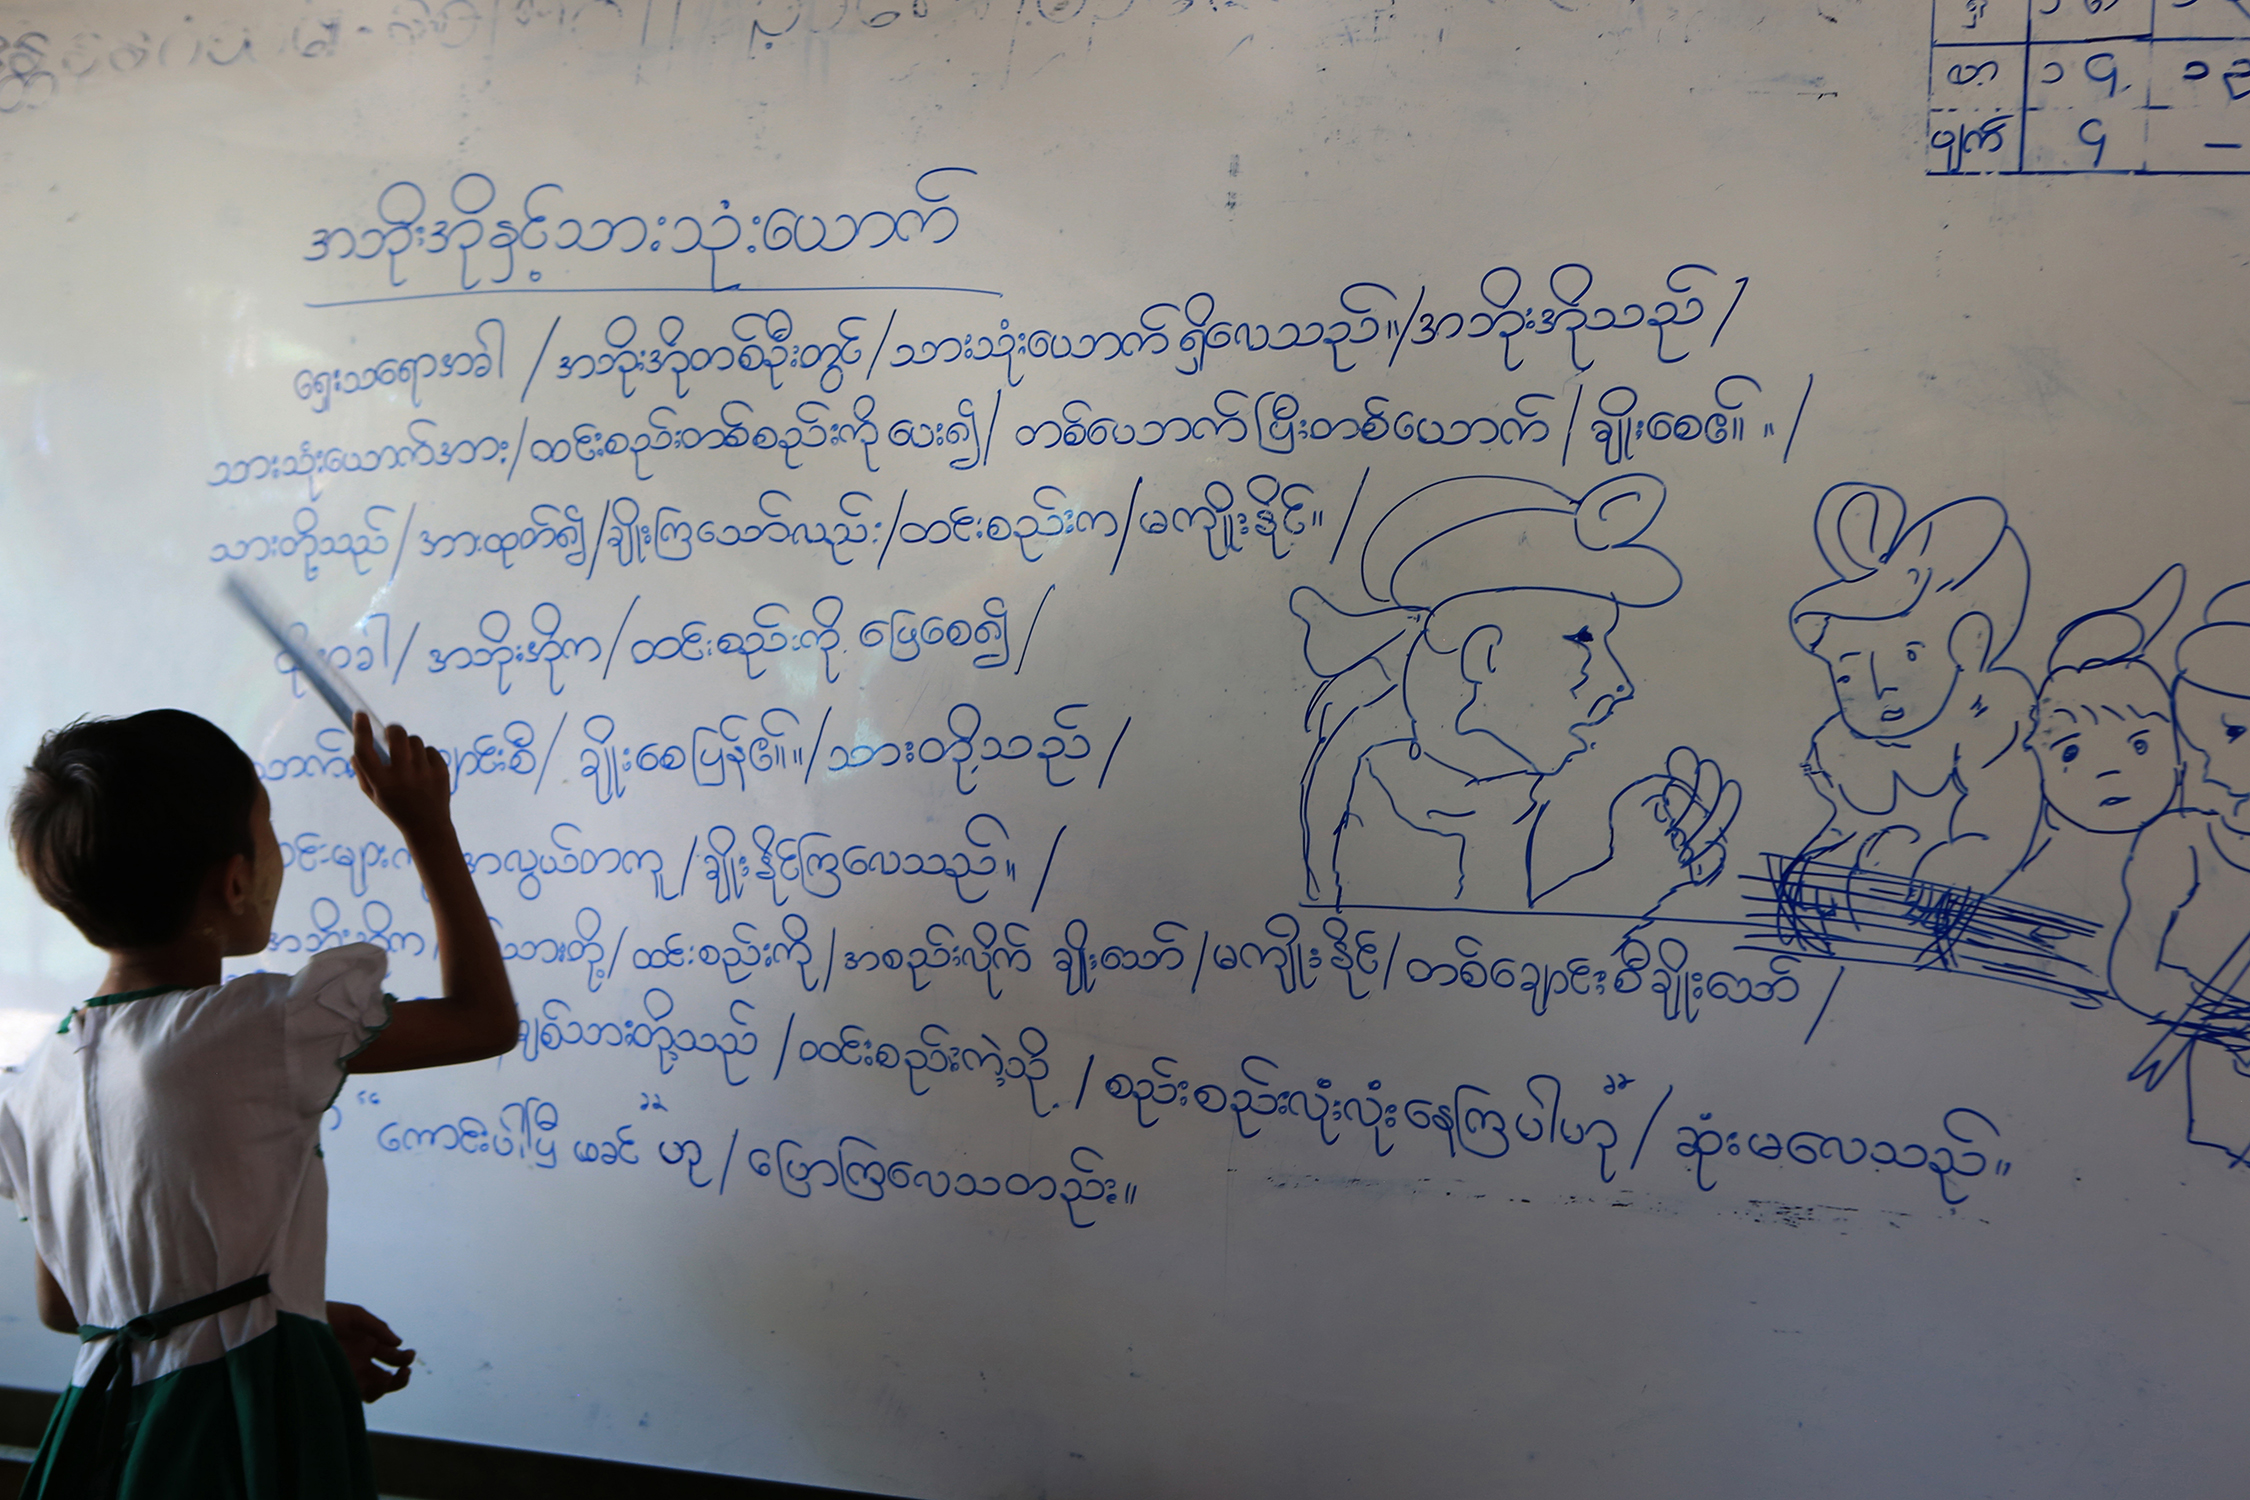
<point x="1924" y="765"/>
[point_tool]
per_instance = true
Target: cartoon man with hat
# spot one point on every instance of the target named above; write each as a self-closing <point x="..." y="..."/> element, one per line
<point x="1444" y="715"/>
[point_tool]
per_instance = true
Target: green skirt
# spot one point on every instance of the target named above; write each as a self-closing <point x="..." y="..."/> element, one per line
<point x="277" y="1419"/>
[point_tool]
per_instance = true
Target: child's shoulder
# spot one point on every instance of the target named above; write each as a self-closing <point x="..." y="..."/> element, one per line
<point x="347" y="979"/>
<point x="348" y="963"/>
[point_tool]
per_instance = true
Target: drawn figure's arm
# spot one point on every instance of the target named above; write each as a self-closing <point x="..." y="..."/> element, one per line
<point x="1349" y="722"/>
<point x="2161" y="877"/>
<point x="1362" y="659"/>
<point x="1843" y="830"/>
<point x="1665" y="831"/>
<point x="1992" y="823"/>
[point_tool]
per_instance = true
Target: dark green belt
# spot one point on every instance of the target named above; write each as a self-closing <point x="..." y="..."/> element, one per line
<point x="112" y="1391"/>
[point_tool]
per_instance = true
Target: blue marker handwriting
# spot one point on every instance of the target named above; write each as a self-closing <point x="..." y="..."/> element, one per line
<point x="328" y="931"/>
<point x="555" y="1028"/>
<point x="547" y="528"/>
<point x="309" y="852"/>
<point x="564" y="856"/>
<point x="811" y="862"/>
<point x="1371" y="317"/>
<point x="371" y="654"/>
<point x="765" y="632"/>
<point x="512" y="751"/>
<point x="729" y="752"/>
<point x="1467" y="1118"/>
<point x="936" y="1053"/>
<point x="857" y="1168"/>
<point x="991" y="950"/>
<point x="1617" y="422"/>
<point x="970" y="750"/>
<point x="481" y="236"/>
<point x="330" y="760"/>
<point x="543" y="644"/>
<point x="1663" y="972"/>
<point x="1271" y="511"/>
<point x="1704" y="1144"/>
<point x="583" y="946"/>
<point x="1052" y="515"/>
<point x="673" y="535"/>
<point x="904" y="634"/>
<point x="423" y="446"/>
<point x="618" y="1149"/>
<point x="747" y="950"/>
<point x="525" y="1135"/>
<point x="1276" y="420"/>
<point x="1081" y="960"/>
<point x="757" y="342"/>
<point x="307" y="544"/>
<point x="1006" y="346"/>
<point x="408" y="371"/>
<point x="809" y="425"/>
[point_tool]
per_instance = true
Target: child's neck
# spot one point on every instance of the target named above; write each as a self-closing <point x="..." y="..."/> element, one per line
<point x="188" y="961"/>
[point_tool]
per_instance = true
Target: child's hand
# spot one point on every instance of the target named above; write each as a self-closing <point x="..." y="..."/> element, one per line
<point x="414" y="789"/>
<point x="369" y="1345"/>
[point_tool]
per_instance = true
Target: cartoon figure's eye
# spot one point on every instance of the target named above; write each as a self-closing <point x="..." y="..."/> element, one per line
<point x="1585" y="637"/>
<point x="2070" y="753"/>
<point x="2140" y="744"/>
<point x="1912" y="654"/>
<point x="2234" y="731"/>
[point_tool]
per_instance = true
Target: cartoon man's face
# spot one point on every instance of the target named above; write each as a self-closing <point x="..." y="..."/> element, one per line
<point x="2108" y="769"/>
<point x="2217" y="725"/>
<point x="1534" y="672"/>
<point x="1892" y="677"/>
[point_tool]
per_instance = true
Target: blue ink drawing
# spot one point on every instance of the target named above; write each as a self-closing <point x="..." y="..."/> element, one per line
<point x="2099" y="733"/>
<point x="1924" y="765"/>
<point x="2183" y="946"/>
<point x="1445" y="714"/>
<point x="2108" y="765"/>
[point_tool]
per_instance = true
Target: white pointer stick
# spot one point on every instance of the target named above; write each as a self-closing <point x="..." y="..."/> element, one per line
<point x="324" y="679"/>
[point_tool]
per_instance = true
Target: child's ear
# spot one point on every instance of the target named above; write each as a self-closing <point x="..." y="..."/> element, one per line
<point x="1970" y="644"/>
<point x="237" y="883"/>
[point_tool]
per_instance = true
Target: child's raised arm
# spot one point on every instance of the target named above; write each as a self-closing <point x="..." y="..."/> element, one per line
<point x="476" y="1017"/>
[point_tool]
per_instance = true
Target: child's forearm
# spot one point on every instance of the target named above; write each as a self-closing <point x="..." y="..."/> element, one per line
<point x="473" y="979"/>
<point x="475" y="1017"/>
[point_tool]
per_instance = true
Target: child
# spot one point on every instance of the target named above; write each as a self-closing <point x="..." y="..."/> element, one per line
<point x="2108" y="763"/>
<point x="164" y="1144"/>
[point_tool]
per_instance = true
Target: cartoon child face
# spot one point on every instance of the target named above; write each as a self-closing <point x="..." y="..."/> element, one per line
<point x="2217" y="727"/>
<point x="2105" y="764"/>
<point x="1892" y="677"/>
<point x="1532" y="672"/>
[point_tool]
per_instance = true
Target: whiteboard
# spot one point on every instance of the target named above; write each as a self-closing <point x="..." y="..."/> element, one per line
<point x="1225" y="748"/>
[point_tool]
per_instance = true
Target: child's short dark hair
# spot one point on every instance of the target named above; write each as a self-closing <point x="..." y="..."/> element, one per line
<point x="119" y="821"/>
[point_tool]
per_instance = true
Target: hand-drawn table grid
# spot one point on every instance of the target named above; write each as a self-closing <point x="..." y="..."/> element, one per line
<point x="2046" y="87"/>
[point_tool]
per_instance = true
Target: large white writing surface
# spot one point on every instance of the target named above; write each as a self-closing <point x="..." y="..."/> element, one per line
<point x="1250" y="749"/>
